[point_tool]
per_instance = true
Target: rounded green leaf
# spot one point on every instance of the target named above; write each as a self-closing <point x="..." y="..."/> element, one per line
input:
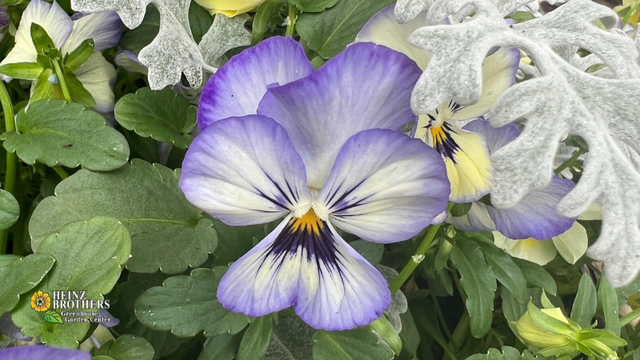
<point x="127" y="347"/>
<point x="358" y="344"/>
<point x="168" y="233"/>
<point x="89" y="257"/>
<point x="256" y="339"/>
<point x="162" y="115"/>
<point x="20" y="275"/>
<point x="54" y="132"/>
<point x="187" y="304"/>
<point x="9" y="209"/>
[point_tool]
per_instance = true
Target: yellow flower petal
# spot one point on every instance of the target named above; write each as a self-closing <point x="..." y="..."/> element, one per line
<point x="229" y="8"/>
<point x="572" y="244"/>
<point x="540" y="252"/>
<point x="471" y="173"/>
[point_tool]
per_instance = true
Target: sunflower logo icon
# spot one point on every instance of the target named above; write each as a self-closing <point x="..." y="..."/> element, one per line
<point x="40" y="301"/>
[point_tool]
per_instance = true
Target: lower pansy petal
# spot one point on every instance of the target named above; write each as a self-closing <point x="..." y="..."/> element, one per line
<point x="237" y="88"/>
<point x="572" y="244"/>
<point x="535" y="215"/>
<point x="540" y="252"/>
<point x="476" y="219"/>
<point x="305" y="264"/>
<point x="245" y="171"/>
<point x="98" y="76"/>
<point x="385" y="186"/>
<point x="366" y="86"/>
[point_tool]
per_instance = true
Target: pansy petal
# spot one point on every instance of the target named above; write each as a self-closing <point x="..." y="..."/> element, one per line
<point x="42" y="352"/>
<point x="53" y="19"/>
<point x="476" y="219"/>
<point x="366" y="86"/>
<point x="498" y="74"/>
<point x="383" y="29"/>
<point x="540" y="252"/>
<point x="535" y="215"/>
<point x="385" y="186"/>
<point x="103" y="27"/>
<point x="495" y="138"/>
<point x="245" y="171"/>
<point x="305" y="264"/>
<point x="572" y="244"/>
<point x="237" y="88"/>
<point x="98" y="76"/>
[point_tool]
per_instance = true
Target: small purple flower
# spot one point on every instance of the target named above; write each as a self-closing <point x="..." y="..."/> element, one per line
<point x="42" y="352"/>
<point x="319" y="148"/>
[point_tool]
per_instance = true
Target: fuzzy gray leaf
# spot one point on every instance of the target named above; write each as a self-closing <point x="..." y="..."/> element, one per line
<point x="131" y="11"/>
<point x="224" y="35"/>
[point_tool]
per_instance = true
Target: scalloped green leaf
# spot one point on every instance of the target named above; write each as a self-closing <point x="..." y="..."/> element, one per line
<point x="256" y="339"/>
<point x="187" y="305"/>
<point x="127" y="347"/>
<point x="54" y="132"/>
<point x="168" y="233"/>
<point x="357" y="344"/>
<point x="20" y="275"/>
<point x="9" y="209"/>
<point x="478" y="281"/>
<point x="162" y="115"/>
<point x="89" y="257"/>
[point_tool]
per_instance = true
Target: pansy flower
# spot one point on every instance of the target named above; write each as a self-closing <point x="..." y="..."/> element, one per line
<point x="464" y="153"/>
<point x="229" y="8"/>
<point x="42" y="352"/>
<point x="321" y="149"/>
<point x="97" y="75"/>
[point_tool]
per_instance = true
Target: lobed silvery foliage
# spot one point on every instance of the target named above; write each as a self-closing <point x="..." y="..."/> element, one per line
<point x="174" y="51"/>
<point x="561" y="99"/>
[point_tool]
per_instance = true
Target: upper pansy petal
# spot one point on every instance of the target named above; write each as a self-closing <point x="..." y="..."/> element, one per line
<point x="42" y="352"/>
<point x="305" y="264"/>
<point x="366" y="86"/>
<point x="53" y="19"/>
<point x="237" y="88"/>
<point x="385" y="186"/>
<point x="245" y="171"/>
<point x="383" y="29"/>
<point x="495" y="138"/>
<point x="572" y="244"/>
<point x="498" y="74"/>
<point x="535" y="215"/>
<point x="103" y="27"/>
<point x="540" y="252"/>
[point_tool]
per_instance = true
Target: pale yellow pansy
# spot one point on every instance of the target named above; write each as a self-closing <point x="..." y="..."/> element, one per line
<point x="229" y="8"/>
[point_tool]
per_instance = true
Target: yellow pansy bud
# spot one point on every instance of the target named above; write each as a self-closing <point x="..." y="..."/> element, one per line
<point x="535" y="336"/>
<point x="229" y="8"/>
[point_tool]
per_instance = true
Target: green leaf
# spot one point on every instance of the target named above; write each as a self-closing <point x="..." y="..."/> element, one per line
<point x="358" y="344"/>
<point x="478" y="281"/>
<point x="42" y="88"/>
<point x="53" y="317"/>
<point x="41" y="39"/>
<point x="199" y="21"/>
<point x="89" y="257"/>
<point x="512" y="308"/>
<point x="313" y="5"/>
<point x="54" y="132"/>
<point x="369" y="250"/>
<point x="291" y="339"/>
<point x="80" y="55"/>
<point x="388" y="333"/>
<point x="162" y="115"/>
<point x="265" y="12"/>
<point x="410" y="337"/>
<point x="256" y="339"/>
<point x="20" y="275"/>
<point x="585" y="303"/>
<point x="505" y="270"/>
<point x="550" y="324"/>
<point x="235" y="241"/>
<point x="536" y="275"/>
<point x="187" y="304"/>
<point x="522" y="16"/>
<point x="9" y="210"/>
<point x="24" y="70"/>
<point x="460" y="209"/>
<point x="221" y="347"/>
<point x="77" y="91"/>
<point x="508" y="353"/>
<point x="330" y="31"/>
<point x="168" y="232"/>
<point x="609" y="300"/>
<point x="144" y="34"/>
<point x="127" y="347"/>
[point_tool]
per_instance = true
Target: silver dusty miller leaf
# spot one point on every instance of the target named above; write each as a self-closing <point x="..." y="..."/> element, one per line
<point x="562" y="99"/>
<point x="174" y="51"/>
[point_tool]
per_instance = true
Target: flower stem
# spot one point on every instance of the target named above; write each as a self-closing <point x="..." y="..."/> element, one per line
<point x="63" y="83"/>
<point x="630" y="317"/>
<point x="293" y="15"/>
<point x="569" y="162"/>
<point x="631" y="11"/>
<point x="415" y="260"/>
<point x="12" y="160"/>
<point x="61" y="172"/>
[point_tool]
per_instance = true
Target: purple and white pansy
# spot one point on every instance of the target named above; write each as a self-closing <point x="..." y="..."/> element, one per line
<point x="97" y="75"/>
<point x="321" y="148"/>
